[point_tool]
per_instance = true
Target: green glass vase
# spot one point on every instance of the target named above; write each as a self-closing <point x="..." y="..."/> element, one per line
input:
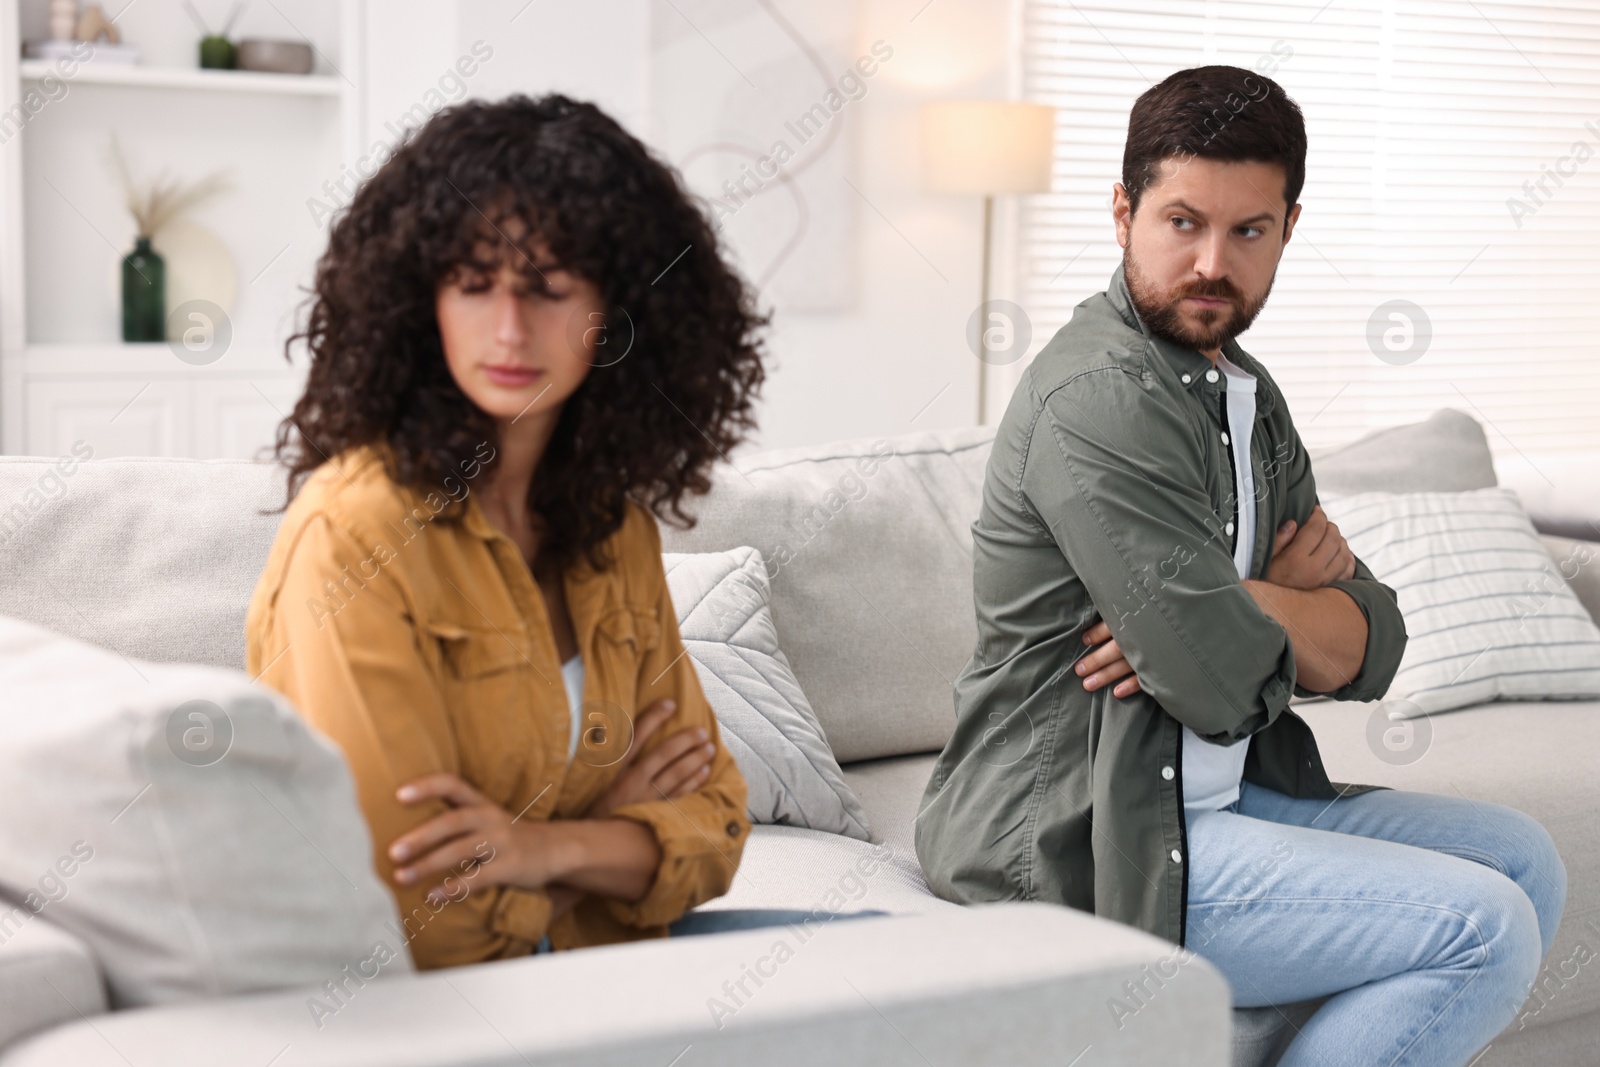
<point x="217" y="53"/>
<point x="144" y="293"/>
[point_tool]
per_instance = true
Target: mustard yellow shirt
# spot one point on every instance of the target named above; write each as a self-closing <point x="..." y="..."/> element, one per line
<point x="421" y="646"/>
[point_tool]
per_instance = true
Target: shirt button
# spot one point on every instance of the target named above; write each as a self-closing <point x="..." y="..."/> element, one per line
<point x="1224" y="437"/>
<point x="1177" y="857"/>
<point x="1228" y="529"/>
<point x="1211" y="375"/>
<point x="1166" y="772"/>
<point x="1186" y="379"/>
<point x="733" y="829"/>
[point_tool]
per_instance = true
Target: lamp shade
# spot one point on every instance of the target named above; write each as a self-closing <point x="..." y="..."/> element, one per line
<point x="987" y="147"/>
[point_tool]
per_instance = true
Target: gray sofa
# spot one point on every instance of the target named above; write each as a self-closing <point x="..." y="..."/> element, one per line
<point x="156" y="559"/>
<point x="872" y="600"/>
<point x="867" y="543"/>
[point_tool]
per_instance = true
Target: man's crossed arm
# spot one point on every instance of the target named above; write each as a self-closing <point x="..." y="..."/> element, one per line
<point x="1326" y="627"/>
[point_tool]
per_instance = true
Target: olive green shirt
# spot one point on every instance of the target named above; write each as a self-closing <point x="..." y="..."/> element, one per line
<point x="1110" y="494"/>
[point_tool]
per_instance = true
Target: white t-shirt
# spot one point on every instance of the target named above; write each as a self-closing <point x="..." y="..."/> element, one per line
<point x="572" y="679"/>
<point x="1211" y="773"/>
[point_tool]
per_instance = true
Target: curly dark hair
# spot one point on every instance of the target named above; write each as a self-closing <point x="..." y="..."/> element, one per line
<point x="645" y="428"/>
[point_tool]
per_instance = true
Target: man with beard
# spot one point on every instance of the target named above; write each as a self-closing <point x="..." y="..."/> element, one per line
<point x="1153" y="580"/>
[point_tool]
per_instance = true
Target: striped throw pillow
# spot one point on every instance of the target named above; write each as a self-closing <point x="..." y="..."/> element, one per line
<point x="1487" y="608"/>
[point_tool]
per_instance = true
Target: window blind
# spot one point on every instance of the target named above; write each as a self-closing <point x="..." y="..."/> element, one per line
<point x="1454" y="163"/>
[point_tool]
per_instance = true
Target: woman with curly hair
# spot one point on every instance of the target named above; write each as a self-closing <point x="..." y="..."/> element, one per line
<point x="524" y="348"/>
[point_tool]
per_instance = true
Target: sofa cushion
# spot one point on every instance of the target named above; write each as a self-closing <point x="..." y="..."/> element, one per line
<point x="153" y="558"/>
<point x="1578" y="562"/>
<point x="1488" y="613"/>
<point x="47" y="976"/>
<point x="786" y="867"/>
<point x="1537" y="758"/>
<point x="869" y="546"/>
<point x="891" y="791"/>
<point x="1445" y="453"/>
<point x="721" y="600"/>
<point x="183" y="822"/>
<point x="869" y="549"/>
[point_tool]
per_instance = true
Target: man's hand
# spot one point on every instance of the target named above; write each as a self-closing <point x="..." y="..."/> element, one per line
<point x="1303" y="557"/>
<point x="1310" y="556"/>
<point x="1105" y="664"/>
<point x="680" y="764"/>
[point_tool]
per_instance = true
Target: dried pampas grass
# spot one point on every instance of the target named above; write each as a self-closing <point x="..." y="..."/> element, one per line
<point x="158" y="202"/>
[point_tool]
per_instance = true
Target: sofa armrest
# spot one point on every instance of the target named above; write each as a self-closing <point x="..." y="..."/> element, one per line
<point x="1013" y="983"/>
<point x="47" y="976"/>
<point x="1579" y="563"/>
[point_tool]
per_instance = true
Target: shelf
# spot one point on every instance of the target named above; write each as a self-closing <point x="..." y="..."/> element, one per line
<point x="64" y="371"/>
<point x="234" y="81"/>
<point x="150" y="359"/>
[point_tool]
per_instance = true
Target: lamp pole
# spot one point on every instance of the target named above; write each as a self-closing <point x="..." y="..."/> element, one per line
<point x="983" y="310"/>
<point x="987" y="148"/>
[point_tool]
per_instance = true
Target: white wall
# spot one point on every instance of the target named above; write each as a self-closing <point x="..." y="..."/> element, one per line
<point x="876" y="369"/>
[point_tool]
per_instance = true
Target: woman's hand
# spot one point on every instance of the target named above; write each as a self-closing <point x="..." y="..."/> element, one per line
<point x="476" y="832"/>
<point x="680" y="764"/>
<point x="1310" y="556"/>
<point x="1106" y="663"/>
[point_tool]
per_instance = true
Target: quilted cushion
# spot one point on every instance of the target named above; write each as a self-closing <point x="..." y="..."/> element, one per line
<point x="722" y="605"/>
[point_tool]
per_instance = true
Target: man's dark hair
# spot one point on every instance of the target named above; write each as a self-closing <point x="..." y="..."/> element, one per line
<point x="1219" y="112"/>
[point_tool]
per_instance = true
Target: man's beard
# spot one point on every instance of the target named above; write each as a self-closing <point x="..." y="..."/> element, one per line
<point x="1161" y="315"/>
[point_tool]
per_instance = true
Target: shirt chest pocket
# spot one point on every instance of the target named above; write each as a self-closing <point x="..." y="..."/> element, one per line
<point x="629" y="628"/>
<point x="471" y="652"/>
<point x="487" y="684"/>
<point x="624" y="636"/>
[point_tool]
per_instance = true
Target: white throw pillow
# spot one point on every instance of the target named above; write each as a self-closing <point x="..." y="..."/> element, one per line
<point x="1488" y="611"/>
<point x="722" y="601"/>
<point x="182" y="822"/>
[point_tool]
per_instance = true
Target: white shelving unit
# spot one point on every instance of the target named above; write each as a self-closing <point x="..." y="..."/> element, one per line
<point x="236" y="81"/>
<point x="65" y="375"/>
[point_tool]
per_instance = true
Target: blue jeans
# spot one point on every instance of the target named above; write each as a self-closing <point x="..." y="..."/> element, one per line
<point x="728" y="919"/>
<point x="1423" y="918"/>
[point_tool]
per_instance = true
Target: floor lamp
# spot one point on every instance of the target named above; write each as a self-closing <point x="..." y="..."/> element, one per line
<point x="987" y="148"/>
